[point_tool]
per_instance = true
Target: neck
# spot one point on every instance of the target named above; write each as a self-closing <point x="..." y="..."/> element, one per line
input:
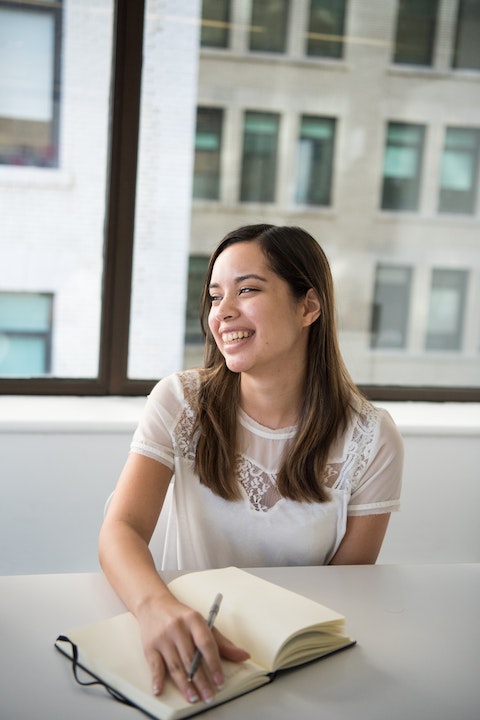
<point x="270" y="403"/>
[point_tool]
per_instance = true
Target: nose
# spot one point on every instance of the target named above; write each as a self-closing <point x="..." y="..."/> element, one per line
<point x="225" y="308"/>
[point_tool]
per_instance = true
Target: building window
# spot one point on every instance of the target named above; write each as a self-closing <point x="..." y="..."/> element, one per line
<point x="459" y="172"/>
<point x="197" y="270"/>
<point x="30" y="39"/>
<point x="446" y="310"/>
<point x="325" y="37"/>
<point x="402" y="166"/>
<point x="208" y="140"/>
<point x="315" y="161"/>
<point x="25" y="334"/>
<point x="215" y="30"/>
<point x="467" y="44"/>
<point x="259" y="166"/>
<point x="268" y="28"/>
<point x="391" y="305"/>
<point x="415" y="32"/>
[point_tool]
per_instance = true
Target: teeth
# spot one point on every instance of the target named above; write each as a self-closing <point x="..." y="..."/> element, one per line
<point x="237" y="335"/>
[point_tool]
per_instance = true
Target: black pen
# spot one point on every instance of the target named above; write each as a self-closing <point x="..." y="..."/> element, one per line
<point x="210" y="620"/>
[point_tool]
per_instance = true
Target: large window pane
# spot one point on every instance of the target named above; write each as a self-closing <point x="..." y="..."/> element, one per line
<point x="325" y="37"/>
<point x="415" y="31"/>
<point x="208" y="140"/>
<point x="402" y="166"/>
<point x="260" y="140"/>
<point x="459" y="171"/>
<point x="467" y="45"/>
<point x="446" y="311"/>
<point x="164" y="187"/>
<point x="215" y="23"/>
<point x="30" y="46"/>
<point x="53" y="218"/>
<point x="268" y="30"/>
<point x="315" y="161"/>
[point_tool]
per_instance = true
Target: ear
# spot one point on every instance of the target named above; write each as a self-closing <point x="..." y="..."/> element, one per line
<point x="311" y="307"/>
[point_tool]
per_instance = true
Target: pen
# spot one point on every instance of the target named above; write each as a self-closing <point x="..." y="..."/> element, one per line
<point x="210" y="620"/>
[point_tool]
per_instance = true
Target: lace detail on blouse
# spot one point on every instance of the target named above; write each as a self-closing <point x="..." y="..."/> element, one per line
<point x="260" y="484"/>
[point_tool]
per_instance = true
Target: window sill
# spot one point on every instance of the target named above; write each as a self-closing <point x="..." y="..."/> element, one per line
<point x="44" y="178"/>
<point x="33" y="414"/>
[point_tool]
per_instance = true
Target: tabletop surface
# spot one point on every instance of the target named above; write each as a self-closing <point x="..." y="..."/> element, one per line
<point x="417" y="655"/>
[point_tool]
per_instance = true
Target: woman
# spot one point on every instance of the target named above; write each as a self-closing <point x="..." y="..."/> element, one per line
<point x="277" y="458"/>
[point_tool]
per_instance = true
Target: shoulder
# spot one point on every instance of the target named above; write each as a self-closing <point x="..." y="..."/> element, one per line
<point x="178" y="387"/>
<point x="373" y="427"/>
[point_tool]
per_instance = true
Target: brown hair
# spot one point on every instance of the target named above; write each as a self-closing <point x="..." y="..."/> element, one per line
<point x="295" y="256"/>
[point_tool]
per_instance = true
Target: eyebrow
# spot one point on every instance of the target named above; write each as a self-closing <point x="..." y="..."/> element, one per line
<point x="242" y="278"/>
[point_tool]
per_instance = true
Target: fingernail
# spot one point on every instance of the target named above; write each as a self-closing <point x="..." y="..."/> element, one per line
<point x="156" y="689"/>
<point x="192" y="696"/>
<point x="218" y="680"/>
<point x="207" y="697"/>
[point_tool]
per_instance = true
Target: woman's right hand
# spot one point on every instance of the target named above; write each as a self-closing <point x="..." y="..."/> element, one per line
<point x="171" y="633"/>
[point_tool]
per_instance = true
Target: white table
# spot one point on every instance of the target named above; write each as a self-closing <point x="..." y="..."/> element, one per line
<point x="417" y="657"/>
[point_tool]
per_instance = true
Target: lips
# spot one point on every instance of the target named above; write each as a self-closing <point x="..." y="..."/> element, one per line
<point x="235" y="336"/>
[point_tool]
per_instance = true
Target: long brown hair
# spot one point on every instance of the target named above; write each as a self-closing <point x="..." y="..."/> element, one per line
<point x="295" y="256"/>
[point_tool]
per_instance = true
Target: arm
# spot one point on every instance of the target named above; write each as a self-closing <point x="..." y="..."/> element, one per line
<point x="362" y="540"/>
<point x="170" y="631"/>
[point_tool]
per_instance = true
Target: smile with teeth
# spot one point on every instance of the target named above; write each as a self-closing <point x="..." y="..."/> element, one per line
<point x="231" y="337"/>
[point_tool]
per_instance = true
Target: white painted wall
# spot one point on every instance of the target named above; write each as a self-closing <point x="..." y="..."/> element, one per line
<point x="60" y="458"/>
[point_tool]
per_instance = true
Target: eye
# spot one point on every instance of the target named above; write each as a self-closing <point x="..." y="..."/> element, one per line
<point x="245" y="290"/>
<point x="215" y="299"/>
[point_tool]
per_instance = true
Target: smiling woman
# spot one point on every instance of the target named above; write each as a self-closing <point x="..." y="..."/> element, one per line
<point x="271" y="446"/>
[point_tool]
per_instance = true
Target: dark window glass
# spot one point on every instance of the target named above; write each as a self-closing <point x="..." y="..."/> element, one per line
<point x="415" y="32"/>
<point x="402" y="166"/>
<point x="215" y="23"/>
<point x="208" y="140"/>
<point x="268" y="29"/>
<point x="467" y="41"/>
<point x="391" y="307"/>
<point x="30" y="39"/>
<point x="25" y="334"/>
<point x="315" y="161"/>
<point x="459" y="171"/>
<point x="326" y="28"/>
<point x="197" y="270"/>
<point x="259" y="167"/>
<point x="446" y="310"/>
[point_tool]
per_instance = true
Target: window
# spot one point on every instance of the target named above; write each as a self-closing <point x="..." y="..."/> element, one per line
<point x="215" y="23"/>
<point x="259" y="169"/>
<point x="208" y="140"/>
<point x="325" y="37"/>
<point x="197" y="271"/>
<point x="467" y="47"/>
<point x="30" y="47"/>
<point x="315" y="161"/>
<point x="163" y="146"/>
<point x="459" y="172"/>
<point x="391" y="306"/>
<point x="446" y="310"/>
<point x="402" y="166"/>
<point x="268" y="30"/>
<point x="415" y="32"/>
<point x="25" y="333"/>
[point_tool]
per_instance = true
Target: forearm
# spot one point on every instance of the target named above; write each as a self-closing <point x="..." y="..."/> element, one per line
<point x="129" y="567"/>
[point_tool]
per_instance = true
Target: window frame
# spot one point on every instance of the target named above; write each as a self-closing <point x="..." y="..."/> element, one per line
<point x="120" y="214"/>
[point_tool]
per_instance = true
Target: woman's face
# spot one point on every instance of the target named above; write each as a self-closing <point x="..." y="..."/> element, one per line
<point x="257" y="324"/>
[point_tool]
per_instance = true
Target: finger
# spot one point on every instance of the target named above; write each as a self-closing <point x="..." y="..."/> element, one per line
<point x="157" y="670"/>
<point x="228" y="650"/>
<point x="179" y="674"/>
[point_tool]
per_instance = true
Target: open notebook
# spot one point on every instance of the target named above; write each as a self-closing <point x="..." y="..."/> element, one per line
<point x="281" y="629"/>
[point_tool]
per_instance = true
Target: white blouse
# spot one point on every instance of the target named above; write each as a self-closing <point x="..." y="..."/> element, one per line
<point x="198" y="529"/>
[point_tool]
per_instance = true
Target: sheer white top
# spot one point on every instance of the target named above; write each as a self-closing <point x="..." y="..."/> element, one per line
<point x="197" y="529"/>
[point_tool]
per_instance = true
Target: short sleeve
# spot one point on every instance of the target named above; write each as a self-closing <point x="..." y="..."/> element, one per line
<point x="378" y="489"/>
<point x="153" y="436"/>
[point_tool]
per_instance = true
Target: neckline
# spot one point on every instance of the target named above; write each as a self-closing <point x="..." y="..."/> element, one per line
<point x="259" y="429"/>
